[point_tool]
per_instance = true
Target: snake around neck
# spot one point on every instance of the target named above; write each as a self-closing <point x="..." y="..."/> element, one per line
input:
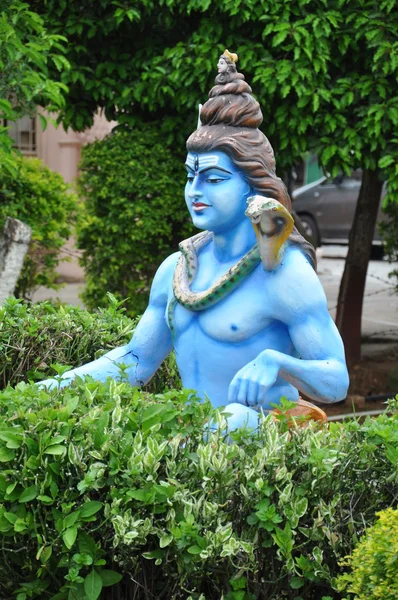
<point x="186" y="268"/>
<point x="272" y="225"/>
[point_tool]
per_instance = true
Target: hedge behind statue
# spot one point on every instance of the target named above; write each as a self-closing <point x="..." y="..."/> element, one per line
<point x="42" y="199"/>
<point x="135" y="214"/>
<point x="36" y="339"/>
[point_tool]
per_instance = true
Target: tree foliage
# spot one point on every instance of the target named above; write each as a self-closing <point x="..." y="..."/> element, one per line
<point x="27" y="53"/>
<point x="324" y="72"/>
<point x="134" y="214"/>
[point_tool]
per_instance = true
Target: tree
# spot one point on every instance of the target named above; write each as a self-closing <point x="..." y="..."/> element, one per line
<point x="324" y="72"/>
<point x="27" y="51"/>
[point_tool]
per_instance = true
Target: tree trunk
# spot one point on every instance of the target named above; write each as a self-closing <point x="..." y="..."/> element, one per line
<point x="352" y="286"/>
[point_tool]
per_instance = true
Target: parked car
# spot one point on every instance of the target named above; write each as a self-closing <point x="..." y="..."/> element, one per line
<point x="326" y="208"/>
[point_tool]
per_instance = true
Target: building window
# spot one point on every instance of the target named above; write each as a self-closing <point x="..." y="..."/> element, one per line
<point x="23" y="132"/>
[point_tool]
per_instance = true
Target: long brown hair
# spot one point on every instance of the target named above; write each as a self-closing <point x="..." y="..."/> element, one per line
<point x="230" y="119"/>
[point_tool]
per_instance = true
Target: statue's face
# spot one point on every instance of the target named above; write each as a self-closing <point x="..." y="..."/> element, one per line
<point x="222" y="65"/>
<point x="216" y="191"/>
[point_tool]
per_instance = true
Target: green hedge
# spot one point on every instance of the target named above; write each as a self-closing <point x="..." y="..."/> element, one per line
<point x="35" y="338"/>
<point x="135" y="216"/>
<point x="40" y="198"/>
<point x="374" y="563"/>
<point x="109" y="492"/>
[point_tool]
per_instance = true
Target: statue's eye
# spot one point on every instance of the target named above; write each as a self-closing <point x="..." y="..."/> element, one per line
<point x="215" y="180"/>
<point x="190" y="178"/>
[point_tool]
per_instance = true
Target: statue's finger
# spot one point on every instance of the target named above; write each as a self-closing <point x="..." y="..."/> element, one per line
<point x="242" y="392"/>
<point x="233" y="390"/>
<point x="252" y="393"/>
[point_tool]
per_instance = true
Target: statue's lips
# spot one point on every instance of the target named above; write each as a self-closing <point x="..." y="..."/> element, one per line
<point x="198" y="206"/>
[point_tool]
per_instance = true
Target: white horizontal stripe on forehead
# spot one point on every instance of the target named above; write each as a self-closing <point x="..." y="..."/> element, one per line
<point x="204" y="161"/>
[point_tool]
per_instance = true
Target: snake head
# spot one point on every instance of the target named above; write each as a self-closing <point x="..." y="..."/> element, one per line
<point x="272" y="225"/>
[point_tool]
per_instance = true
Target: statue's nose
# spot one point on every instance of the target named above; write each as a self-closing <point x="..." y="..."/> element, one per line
<point x="194" y="191"/>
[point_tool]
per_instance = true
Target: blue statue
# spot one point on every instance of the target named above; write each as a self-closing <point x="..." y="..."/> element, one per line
<point x="240" y="304"/>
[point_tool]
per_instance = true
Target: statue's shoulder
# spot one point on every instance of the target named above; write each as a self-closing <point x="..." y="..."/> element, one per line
<point x="164" y="277"/>
<point x="296" y="259"/>
<point x="167" y="267"/>
<point x="296" y="287"/>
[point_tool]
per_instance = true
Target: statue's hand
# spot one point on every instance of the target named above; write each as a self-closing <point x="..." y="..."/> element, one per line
<point x="251" y="384"/>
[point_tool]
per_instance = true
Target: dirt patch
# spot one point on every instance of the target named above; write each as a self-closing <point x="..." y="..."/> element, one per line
<point x="374" y="376"/>
<point x="371" y="380"/>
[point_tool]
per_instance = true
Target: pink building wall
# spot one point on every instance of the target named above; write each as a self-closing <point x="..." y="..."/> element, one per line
<point x="60" y="150"/>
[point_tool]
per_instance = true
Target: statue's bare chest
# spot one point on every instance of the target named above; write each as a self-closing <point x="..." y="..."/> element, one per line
<point x="238" y="316"/>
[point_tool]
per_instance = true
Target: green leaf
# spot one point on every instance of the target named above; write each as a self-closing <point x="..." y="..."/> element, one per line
<point x="45" y="499"/>
<point x="20" y="526"/>
<point x="138" y="495"/>
<point x="69" y="537"/>
<point x="93" y="585"/>
<point x="11" y="517"/>
<point x="301" y="507"/>
<point x="43" y="122"/>
<point x="86" y="544"/>
<point x="90" y="508"/>
<point x="11" y="488"/>
<point x="195" y="549"/>
<point x="297" y="582"/>
<point x="109" y="577"/>
<point x="165" y="540"/>
<point x="6" y="455"/>
<point x="29" y="494"/>
<point x="55" y="450"/>
<point x="158" y="554"/>
<point x="152" y="411"/>
<point x="71" y="519"/>
<point x="13" y="440"/>
<point x="386" y="161"/>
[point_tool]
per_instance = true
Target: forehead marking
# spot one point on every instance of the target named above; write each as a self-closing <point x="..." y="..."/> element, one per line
<point x="200" y="162"/>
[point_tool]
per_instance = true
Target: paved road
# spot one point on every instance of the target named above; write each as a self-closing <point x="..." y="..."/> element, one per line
<point x="380" y="312"/>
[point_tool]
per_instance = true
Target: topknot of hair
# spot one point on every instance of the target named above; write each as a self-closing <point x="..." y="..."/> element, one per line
<point x="231" y="103"/>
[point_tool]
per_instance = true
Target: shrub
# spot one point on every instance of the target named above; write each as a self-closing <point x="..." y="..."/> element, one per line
<point x="135" y="214"/>
<point x="40" y="198"/>
<point x="374" y="562"/>
<point x="35" y="337"/>
<point x="104" y="484"/>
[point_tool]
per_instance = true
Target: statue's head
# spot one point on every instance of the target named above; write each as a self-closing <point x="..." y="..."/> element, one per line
<point x="230" y="119"/>
<point x="230" y="124"/>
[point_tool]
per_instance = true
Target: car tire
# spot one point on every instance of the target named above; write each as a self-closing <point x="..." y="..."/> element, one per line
<point x="377" y="252"/>
<point x="311" y="229"/>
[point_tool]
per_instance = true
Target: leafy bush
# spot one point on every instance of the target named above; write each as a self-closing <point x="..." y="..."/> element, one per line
<point x="104" y="482"/>
<point x="135" y="214"/>
<point x="35" y="337"/>
<point x="374" y="562"/>
<point x="40" y="198"/>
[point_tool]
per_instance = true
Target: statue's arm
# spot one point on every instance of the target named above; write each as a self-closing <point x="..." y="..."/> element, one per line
<point x="149" y="346"/>
<point x="321" y="372"/>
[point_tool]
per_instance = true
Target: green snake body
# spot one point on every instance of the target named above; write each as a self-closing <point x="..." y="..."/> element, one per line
<point x="272" y="224"/>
